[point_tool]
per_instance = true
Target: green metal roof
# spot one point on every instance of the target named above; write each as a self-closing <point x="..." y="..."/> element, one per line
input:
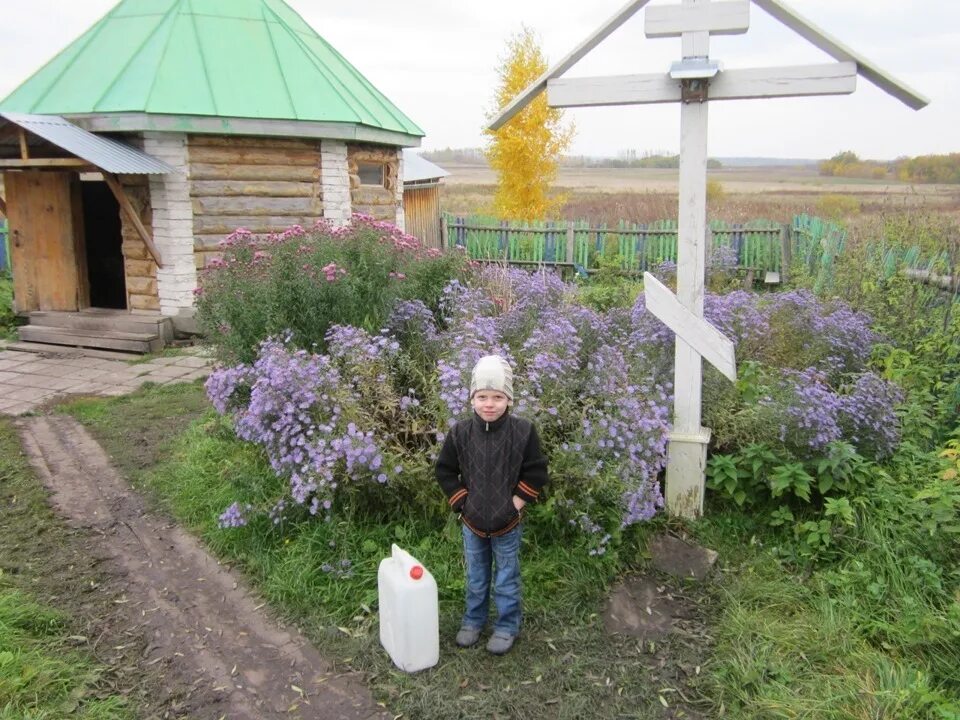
<point x="220" y="58"/>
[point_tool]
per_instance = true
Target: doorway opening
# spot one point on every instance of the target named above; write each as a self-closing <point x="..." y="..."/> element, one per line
<point x="104" y="246"/>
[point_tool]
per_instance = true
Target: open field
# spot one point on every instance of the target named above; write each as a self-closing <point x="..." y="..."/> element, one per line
<point x="790" y="179"/>
<point x="648" y="194"/>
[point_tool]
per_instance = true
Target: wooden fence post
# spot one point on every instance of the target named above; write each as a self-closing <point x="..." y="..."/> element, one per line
<point x="786" y="251"/>
<point x="444" y="233"/>
<point x="571" y="242"/>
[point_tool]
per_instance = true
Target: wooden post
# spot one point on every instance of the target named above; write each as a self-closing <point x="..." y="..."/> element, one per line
<point x="444" y="233"/>
<point x="571" y="242"/>
<point x="117" y="189"/>
<point x="786" y="251"/>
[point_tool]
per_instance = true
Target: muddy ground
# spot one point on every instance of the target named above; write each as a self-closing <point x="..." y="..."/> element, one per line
<point x="181" y="634"/>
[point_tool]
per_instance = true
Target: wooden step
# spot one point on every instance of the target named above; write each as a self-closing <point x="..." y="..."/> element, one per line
<point x="99" y="319"/>
<point x="104" y="339"/>
<point x="63" y="351"/>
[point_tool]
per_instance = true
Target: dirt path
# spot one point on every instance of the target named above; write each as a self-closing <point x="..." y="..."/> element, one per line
<point x="195" y="616"/>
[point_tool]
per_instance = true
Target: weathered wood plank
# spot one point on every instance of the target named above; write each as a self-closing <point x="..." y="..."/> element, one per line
<point x="257" y="188"/>
<point x="704" y="338"/>
<point x="226" y="224"/>
<point x="45" y="163"/>
<point x="135" y="250"/>
<point x="141" y="286"/>
<point x="256" y="206"/>
<point x="241" y="171"/>
<point x="242" y="141"/>
<point x="798" y="81"/>
<point x="254" y="156"/>
<point x="132" y="215"/>
<point x="369" y="195"/>
<point x="43" y="241"/>
<point x="144" y="302"/>
<point x="717" y="18"/>
<point x="140" y="268"/>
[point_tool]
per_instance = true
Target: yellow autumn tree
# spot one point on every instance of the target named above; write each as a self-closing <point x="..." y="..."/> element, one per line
<point x="525" y="153"/>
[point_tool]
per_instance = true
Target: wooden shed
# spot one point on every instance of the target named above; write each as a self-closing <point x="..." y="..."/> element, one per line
<point x="133" y="152"/>
<point x="421" y="198"/>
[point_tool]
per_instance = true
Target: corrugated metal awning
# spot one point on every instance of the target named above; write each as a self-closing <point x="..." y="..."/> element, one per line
<point x="108" y="155"/>
<point x="418" y="169"/>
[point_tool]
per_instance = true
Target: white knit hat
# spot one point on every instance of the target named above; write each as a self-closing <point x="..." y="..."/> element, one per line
<point x="492" y="372"/>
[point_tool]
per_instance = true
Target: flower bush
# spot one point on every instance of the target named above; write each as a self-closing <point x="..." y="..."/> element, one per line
<point x="353" y="420"/>
<point x="301" y="283"/>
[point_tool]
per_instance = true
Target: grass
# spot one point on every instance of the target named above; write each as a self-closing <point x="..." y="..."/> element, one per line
<point x="874" y="633"/>
<point x="322" y="576"/>
<point x="827" y="643"/>
<point x="8" y="320"/>
<point x="44" y="671"/>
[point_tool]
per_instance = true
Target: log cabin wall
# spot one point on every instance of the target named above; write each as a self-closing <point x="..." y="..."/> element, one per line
<point x="139" y="267"/>
<point x="262" y="184"/>
<point x="378" y="200"/>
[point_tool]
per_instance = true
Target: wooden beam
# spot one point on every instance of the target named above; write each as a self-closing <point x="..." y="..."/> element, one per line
<point x="40" y="163"/>
<point x="717" y="18"/>
<point x="798" y="81"/>
<point x="118" y="192"/>
<point x="571" y="59"/>
<point x="836" y="49"/>
<point x="701" y="336"/>
<point x="613" y="90"/>
<point x="24" y="151"/>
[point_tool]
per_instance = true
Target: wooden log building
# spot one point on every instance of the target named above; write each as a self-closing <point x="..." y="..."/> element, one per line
<point x="132" y="153"/>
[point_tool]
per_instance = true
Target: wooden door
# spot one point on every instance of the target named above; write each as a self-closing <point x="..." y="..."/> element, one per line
<point x="46" y="248"/>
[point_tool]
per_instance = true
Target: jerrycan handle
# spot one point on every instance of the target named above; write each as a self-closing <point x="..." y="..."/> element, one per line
<point x="409" y="567"/>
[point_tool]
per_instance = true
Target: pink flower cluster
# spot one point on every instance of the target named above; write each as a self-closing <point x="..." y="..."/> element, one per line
<point x="332" y="271"/>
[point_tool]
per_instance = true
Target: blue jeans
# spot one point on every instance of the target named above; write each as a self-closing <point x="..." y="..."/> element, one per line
<point x="482" y="554"/>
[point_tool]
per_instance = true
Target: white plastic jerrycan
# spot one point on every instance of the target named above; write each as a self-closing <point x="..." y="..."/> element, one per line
<point x="409" y="614"/>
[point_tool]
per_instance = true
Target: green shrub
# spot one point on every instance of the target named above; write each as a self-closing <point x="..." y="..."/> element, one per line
<point x="305" y="282"/>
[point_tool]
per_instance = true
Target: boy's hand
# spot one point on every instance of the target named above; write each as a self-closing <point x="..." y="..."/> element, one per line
<point x="518" y="502"/>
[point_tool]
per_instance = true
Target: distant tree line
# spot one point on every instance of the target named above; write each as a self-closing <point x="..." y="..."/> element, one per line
<point x="921" y="169"/>
<point x="469" y="156"/>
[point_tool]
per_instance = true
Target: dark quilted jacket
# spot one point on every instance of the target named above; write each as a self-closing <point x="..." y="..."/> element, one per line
<point x="483" y="465"/>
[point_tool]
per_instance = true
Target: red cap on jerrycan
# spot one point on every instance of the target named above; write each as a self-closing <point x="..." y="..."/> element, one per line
<point x="416" y="572"/>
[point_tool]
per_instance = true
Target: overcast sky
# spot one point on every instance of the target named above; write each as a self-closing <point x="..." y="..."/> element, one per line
<point x="437" y="61"/>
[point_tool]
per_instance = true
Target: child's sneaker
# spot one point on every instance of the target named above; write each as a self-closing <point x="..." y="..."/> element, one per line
<point x="500" y="642"/>
<point x="467" y="637"/>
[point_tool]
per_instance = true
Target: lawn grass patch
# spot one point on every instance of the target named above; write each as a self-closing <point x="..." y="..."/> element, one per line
<point x="810" y="643"/>
<point x="46" y="670"/>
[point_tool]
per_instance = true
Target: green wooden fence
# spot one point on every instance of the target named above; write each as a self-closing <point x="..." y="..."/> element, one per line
<point x="756" y="245"/>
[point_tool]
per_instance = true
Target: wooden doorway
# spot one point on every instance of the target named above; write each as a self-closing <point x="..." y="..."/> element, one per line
<point x="46" y="240"/>
<point x="103" y="238"/>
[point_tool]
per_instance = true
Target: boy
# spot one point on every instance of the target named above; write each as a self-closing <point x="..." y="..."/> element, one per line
<point x="489" y="467"/>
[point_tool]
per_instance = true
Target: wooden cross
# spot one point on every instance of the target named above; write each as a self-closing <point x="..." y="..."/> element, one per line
<point x="694" y="82"/>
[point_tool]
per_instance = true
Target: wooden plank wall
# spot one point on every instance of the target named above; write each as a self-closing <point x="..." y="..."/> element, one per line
<point x="262" y="184"/>
<point x="421" y="207"/>
<point x="380" y="202"/>
<point x="46" y="244"/>
<point x="139" y="266"/>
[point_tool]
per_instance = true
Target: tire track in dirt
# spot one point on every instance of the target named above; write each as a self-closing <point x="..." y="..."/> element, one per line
<point x="195" y="615"/>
